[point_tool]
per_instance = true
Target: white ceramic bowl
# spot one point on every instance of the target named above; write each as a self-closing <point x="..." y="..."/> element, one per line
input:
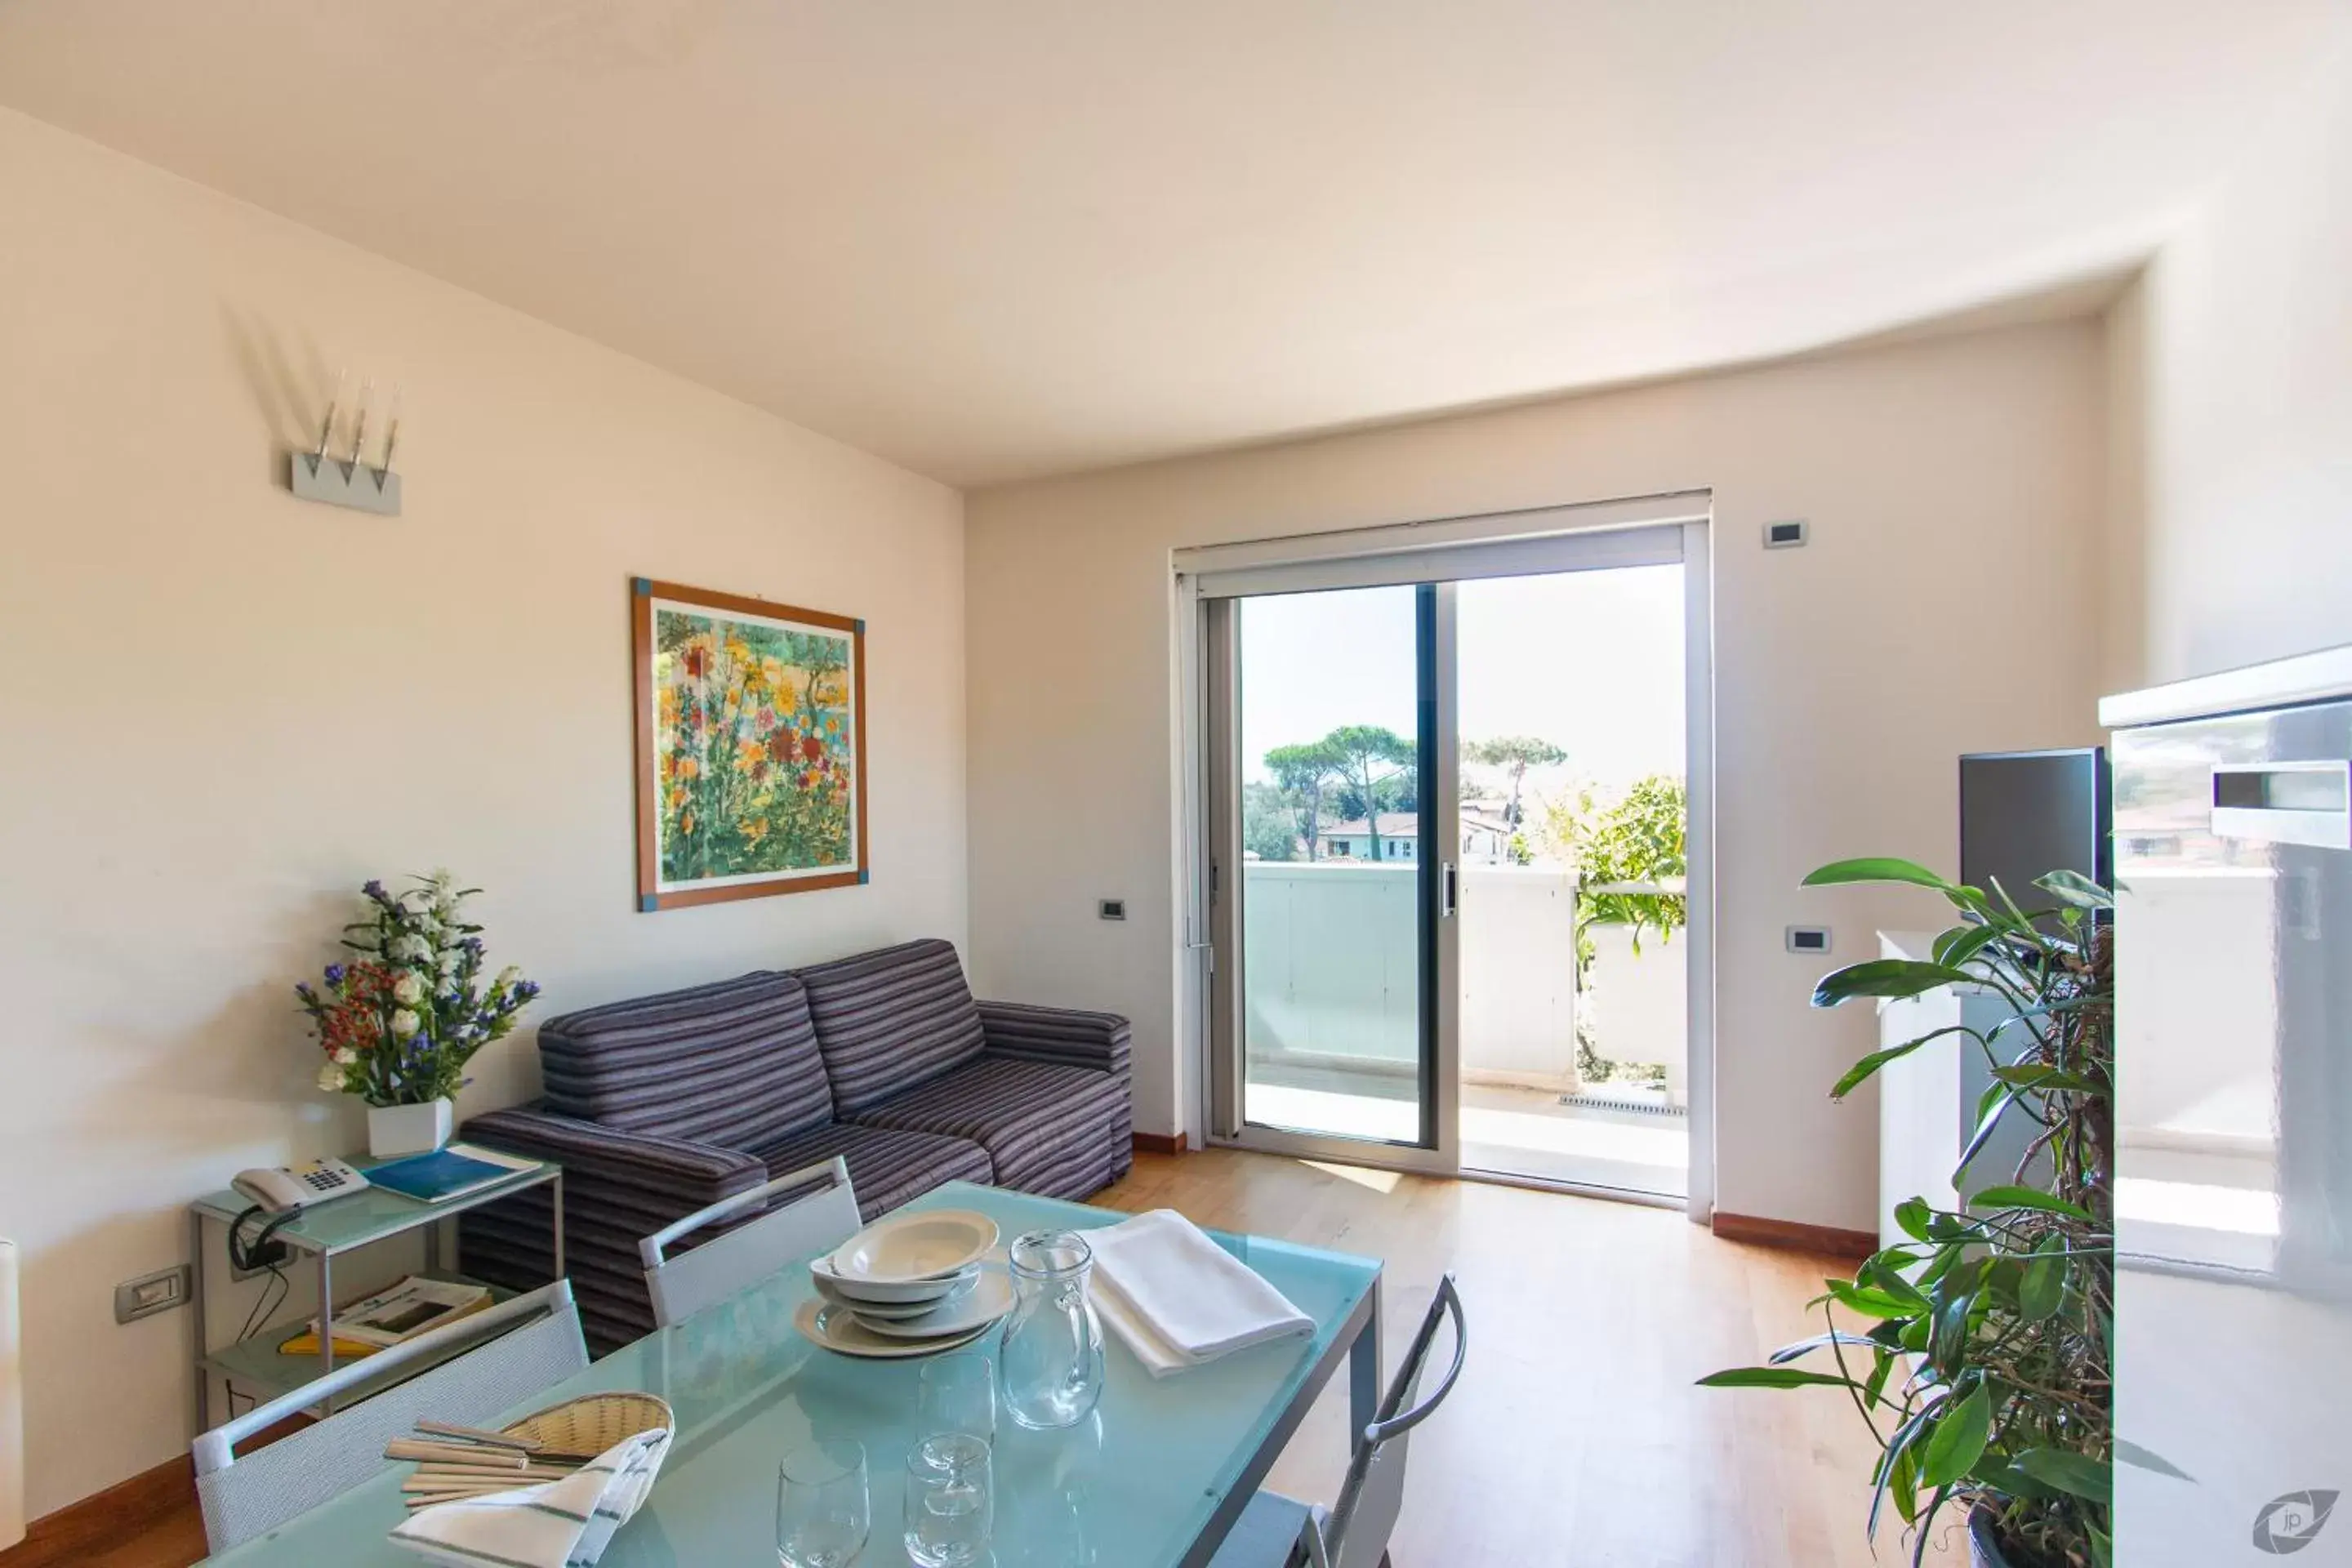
<point x="906" y="1247"/>
<point x="984" y="1304"/>
<point x="957" y="1287"/>
<point x="918" y="1292"/>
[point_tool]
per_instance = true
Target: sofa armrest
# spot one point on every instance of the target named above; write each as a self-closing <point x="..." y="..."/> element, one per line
<point x="1065" y="1036"/>
<point x="673" y="1172"/>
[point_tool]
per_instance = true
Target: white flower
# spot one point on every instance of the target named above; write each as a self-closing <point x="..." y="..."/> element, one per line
<point x="405" y="1022"/>
<point x="406" y="947"/>
<point x="346" y="1057"/>
<point x="441" y="880"/>
<point x="508" y="976"/>
<point x="408" y="989"/>
<point x="448" y="961"/>
<point x="330" y="1078"/>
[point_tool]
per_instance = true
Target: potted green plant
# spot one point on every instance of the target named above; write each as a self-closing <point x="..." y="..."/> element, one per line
<point x="1985" y="1368"/>
<point x="401" y="1019"/>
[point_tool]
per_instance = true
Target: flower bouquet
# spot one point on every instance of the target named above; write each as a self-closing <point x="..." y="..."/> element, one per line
<point x="402" y="1017"/>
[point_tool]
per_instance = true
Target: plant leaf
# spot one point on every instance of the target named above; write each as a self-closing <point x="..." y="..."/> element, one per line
<point x="1872" y="1303"/>
<point x="2093" y="1481"/>
<point x="1874" y="869"/>
<point x="2073" y="888"/>
<point x="1880" y="1275"/>
<point x="1912" y="1214"/>
<point x="2042" y="1289"/>
<point x="1786" y="1353"/>
<point x="1869" y="1065"/>
<point x="1958" y="1440"/>
<point x="1770" y="1377"/>
<point x="2007" y="1197"/>
<point x="1962" y="943"/>
<point x="1896" y="977"/>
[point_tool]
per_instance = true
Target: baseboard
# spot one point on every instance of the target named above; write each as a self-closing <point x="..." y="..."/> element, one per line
<point x="1825" y="1239"/>
<point x="127" y="1511"/>
<point x="80" y="1531"/>
<point x="1145" y="1143"/>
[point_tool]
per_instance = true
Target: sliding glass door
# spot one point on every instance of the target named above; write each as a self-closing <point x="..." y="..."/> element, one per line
<point x="1332" y="879"/>
<point x="1412" y="934"/>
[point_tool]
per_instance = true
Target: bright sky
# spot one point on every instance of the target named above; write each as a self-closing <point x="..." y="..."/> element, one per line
<point x="1591" y="661"/>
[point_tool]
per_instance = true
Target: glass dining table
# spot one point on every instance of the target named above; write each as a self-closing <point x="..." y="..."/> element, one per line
<point x="1154" y="1478"/>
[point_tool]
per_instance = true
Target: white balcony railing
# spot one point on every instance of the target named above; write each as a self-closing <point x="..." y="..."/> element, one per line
<point x="1333" y="975"/>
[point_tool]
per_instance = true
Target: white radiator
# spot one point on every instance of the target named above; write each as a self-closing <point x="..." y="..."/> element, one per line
<point x="12" y="1405"/>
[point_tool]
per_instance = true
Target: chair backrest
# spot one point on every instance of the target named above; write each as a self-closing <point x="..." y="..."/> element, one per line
<point x="891" y="1019"/>
<point x="1357" y="1533"/>
<point x="475" y="1369"/>
<point x="682" y="1286"/>
<point x="733" y="1064"/>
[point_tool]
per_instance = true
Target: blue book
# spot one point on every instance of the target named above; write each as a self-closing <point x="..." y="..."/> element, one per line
<point x="451" y="1173"/>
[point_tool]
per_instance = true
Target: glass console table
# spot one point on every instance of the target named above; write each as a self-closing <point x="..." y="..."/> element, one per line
<point x="332" y="1229"/>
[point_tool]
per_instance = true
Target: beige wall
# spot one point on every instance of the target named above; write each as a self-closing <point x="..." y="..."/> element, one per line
<point x="225" y="707"/>
<point x="2235" y="454"/>
<point x="1946" y="603"/>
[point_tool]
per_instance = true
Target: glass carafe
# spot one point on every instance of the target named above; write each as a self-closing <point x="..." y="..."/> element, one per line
<point x="1052" y="1361"/>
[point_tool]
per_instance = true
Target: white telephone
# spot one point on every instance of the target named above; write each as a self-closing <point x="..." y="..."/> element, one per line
<point x="287" y="1189"/>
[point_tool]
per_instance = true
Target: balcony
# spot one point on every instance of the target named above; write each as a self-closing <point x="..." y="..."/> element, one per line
<point x="1332" y="994"/>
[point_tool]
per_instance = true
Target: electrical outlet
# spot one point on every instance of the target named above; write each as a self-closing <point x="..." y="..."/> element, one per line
<point x="1787" y="534"/>
<point x="272" y="1254"/>
<point x="1110" y="909"/>
<point x="153" y="1293"/>
<point x="1813" y="941"/>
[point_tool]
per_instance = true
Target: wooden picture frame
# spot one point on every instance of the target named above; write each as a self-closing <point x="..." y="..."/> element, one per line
<point x="751" y="747"/>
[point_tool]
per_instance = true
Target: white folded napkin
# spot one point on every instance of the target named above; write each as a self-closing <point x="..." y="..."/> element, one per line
<point x="557" y="1523"/>
<point x="1178" y="1299"/>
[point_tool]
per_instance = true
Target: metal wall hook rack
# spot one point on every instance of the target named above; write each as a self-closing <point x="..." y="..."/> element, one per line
<point x="350" y="481"/>
<point x="339" y="483"/>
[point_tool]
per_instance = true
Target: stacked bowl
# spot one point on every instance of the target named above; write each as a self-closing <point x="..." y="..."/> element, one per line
<point x="911" y="1284"/>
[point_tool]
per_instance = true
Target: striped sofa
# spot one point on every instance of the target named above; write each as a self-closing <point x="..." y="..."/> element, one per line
<point x="660" y="1106"/>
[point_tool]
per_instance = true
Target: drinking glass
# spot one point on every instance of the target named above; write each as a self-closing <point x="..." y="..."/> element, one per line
<point x="1053" y="1349"/>
<point x="951" y="1500"/>
<point x="958" y="1394"/>
<point x="823" y="1512"/>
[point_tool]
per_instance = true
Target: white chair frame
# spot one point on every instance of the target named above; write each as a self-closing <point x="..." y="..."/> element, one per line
<point x="720" y="1267"/>
<point x="1275" y="1531"/>
<point x="512" y="1351"/>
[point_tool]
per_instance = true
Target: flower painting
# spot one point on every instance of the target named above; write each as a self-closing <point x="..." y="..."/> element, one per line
<point x="751" y="747"/>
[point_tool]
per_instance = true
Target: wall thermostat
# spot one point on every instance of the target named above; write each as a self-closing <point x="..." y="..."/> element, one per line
<point x="1808" y="938"/>
<point x="1785" y="535"/>
<point x="1111" y="910"/>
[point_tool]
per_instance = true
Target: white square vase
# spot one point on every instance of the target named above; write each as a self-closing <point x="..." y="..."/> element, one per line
<point x="409" y="1129"/>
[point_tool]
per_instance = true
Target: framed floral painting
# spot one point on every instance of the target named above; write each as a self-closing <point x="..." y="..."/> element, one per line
<point x="751" y="747"/>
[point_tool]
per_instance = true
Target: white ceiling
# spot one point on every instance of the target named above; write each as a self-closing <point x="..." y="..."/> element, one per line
<point x="995" y="238"/>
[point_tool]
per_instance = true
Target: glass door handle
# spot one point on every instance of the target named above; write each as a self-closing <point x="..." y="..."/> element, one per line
<point x="1451" y="888"/>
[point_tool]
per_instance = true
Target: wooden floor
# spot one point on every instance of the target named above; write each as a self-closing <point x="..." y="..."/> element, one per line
<point x="1575" y="1435"/>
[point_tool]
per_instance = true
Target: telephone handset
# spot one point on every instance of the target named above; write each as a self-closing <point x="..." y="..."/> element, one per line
<point x="285" y="1191"/>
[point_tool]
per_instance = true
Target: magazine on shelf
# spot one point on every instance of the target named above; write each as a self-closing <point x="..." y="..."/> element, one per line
<point x="414" y="1306"/>
<point x="446" y="1173"/>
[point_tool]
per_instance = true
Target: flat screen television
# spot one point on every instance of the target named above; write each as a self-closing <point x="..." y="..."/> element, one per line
<point x="2025" y="812"/>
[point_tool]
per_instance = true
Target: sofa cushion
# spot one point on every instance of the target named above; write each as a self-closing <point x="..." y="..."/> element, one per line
<point x="733" y="1064"/>
<point x="1044" y="1126"/>
<point x="886" y="1167"/>
<point x="889" y="1020"/>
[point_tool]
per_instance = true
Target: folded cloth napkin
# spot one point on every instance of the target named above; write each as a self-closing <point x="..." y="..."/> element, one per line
<point x="1178" y="1299"/>
<point x="561" y="1522"/>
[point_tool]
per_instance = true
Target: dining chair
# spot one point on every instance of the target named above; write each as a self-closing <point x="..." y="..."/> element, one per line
<point x="1276" y="1531"/>
<point x="718" y="1268"/>
<point x="473" y="1370"/>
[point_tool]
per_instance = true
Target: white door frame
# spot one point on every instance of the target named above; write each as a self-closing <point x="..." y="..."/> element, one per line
<point x="1198" y="990"/>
